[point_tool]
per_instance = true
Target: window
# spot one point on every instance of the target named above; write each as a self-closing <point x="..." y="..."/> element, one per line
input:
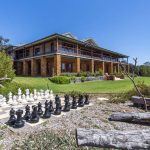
<point x="36" y="51"/>
<point x="66" y="67"/>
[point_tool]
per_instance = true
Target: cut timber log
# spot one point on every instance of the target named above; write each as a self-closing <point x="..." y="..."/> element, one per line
<point x="133" y="117"/>
<point x="138" y="101"/>
<point x="129" y="140"/>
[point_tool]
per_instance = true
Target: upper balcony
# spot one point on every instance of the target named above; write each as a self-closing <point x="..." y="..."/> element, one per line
<point x="71" y="52"/>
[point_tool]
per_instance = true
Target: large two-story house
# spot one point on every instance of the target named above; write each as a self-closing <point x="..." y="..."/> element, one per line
<point x="56" y="54"/>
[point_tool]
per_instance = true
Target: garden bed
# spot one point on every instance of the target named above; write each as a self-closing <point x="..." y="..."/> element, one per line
<point x="59" y="132"/>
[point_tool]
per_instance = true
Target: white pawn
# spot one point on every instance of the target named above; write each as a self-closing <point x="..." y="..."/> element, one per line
<point x="10" y="100"/>
<point x="4" y="102"/>
<point x="14" y="100"/>
<point x="19" y="96"/>
<point x="31" y="98"/>
<point x="51" y="95"/>
<point x="46" y="94"/>
<point x="1" y="100"/>
<point x="38" y="96"/>
<point x="35" y="94"/>
<point x="24" y="99"/>
<point x="42" y="94"/>
<point x="27" y="94"/>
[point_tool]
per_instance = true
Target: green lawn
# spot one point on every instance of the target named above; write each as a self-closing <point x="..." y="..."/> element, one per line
<point x="89" y="87"/>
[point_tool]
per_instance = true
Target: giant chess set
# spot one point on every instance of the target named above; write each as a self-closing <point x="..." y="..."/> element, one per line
<point x="31" y="107"/>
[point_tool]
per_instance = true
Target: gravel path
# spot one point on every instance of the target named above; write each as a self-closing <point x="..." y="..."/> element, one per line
<point x="95" y="116"/>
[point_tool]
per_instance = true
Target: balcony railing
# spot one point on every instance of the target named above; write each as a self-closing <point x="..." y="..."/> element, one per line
<point x="73" y="51"/>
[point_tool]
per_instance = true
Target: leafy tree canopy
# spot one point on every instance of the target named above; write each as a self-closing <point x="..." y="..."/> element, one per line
<point x="4" y="43"/>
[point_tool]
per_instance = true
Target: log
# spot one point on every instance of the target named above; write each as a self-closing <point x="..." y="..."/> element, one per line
<point x="129" y="140"/>
<point x="132" y="117"/>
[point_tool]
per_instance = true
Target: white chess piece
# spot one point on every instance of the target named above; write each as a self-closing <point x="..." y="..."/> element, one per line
<point x="42" y="94"/>
<point x="27" y="94"/>
<point x="35" y="94"/>
<point x="46" y="94"/>
<point x="10" y="100"/>
<point x="3" y="101"/>
<point x="51" y="96"/>
<point x="19" y="96"/>
<point x="31" y="99"/>
<point x="24" y="99"/>
<point x="38" y="96"/>
<point x="14" y="100"/>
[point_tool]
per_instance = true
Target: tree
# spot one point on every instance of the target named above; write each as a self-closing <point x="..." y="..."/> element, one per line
<point x="6" y="68"/>
<point x="125" y="72"/>
<point x="4" y="43"/>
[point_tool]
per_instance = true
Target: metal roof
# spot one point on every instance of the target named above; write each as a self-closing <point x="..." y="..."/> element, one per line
<point x="56" y="35"/>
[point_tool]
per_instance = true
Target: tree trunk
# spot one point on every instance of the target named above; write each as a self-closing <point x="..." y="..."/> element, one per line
<point x="133" y="117"/>
<point x="129" y="140"/>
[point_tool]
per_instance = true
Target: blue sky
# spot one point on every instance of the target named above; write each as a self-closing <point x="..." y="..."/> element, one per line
<point x="119" y="25"/>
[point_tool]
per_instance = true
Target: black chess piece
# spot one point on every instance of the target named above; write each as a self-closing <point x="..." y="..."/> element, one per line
<point x="34" y="115"/>
<point x="19" y="122"/>
<point x="27" y="115"/>
<point x="47" y="113"/>
<point x="40" y="111"/>
<point x="67" y="103"/>
<point x="51" y="108"/>
<point x="12" y="118"/>
<point x="58" y="105"/>
<point x="80" y="101"/>
<point x="74" y="102"/>
<point x="86" y="99"/>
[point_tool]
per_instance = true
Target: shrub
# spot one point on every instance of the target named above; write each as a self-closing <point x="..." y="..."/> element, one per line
<point x="61" y="79"/>
<point x="83" y="79"/>
<point x="13" y="87"/>
<point x="100" y="72"/>
<point x="118" y="98"/>
<point x="123" y="97"/>
<point x="6" y="66"/>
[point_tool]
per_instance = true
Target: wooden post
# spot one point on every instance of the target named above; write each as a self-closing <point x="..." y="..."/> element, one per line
<point x="33" y="67"/>
<point x="57" y="64"/>
<point x="57" y="46"/>
<point x="103" y="67"/>
<point x="43" y="66"/>
<point x="92" y="66"/>
<point x="77" y="65"/>
<point x="25" y="68"/>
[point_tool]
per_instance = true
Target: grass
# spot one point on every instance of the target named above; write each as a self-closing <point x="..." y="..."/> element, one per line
<point x="89" y="87"/>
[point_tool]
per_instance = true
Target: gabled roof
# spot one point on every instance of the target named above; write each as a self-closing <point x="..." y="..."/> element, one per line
<point x="68" y="36"/>
<point x="90" y="42"/>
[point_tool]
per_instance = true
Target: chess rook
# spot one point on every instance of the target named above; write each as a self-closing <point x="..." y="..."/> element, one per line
<point x="19" y="121"/>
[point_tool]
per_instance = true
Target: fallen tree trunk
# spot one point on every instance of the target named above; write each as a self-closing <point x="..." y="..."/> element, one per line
<point x="133" y="117"/>
<point x="138" y="139"/>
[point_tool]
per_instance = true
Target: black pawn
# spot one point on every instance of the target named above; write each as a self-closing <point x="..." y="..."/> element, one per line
<point x="27" y="115"/>
<point x="51" y="108"/>
<point x="74" y="103"/>
<point x="58" y="105"/>
<point x="80" y="101"/>
<point x="12" y="118"/>
<point x="40" y="111"/>
<point x="19" y="122"/>
<point x="47" y="114"/>
<point x="34" y="115"/>
<point x="86" y="99"/>
<point x="67" y="104"/>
